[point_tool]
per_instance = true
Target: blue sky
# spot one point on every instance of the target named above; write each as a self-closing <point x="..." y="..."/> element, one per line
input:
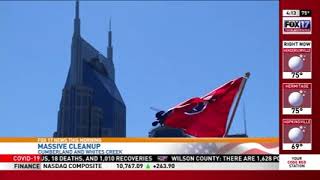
<point x="164" y="53"/>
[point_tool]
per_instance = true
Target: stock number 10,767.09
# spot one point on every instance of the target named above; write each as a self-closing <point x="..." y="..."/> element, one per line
<point x="129" y="166"/>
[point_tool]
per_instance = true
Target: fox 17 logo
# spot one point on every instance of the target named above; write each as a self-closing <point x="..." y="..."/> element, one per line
<point x="296" y="25"/>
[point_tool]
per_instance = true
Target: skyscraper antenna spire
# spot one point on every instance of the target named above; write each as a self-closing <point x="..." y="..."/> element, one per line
<point x="77" y="9"/>
<point x="77" y="20"/>
<point x="110" y="35"/>
<point x="110" y="24"/>
<point x="110" y="48"/>
<point x="109" y="51"/>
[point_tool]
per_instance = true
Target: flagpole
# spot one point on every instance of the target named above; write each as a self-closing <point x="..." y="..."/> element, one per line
<point x="243" y="84"/>
<point x="244" y="119"/>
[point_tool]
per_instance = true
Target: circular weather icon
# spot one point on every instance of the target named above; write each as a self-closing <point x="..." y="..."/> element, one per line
<point x="295" y="63"/>
<point x="296" y="99"/>
<point x="296" y="134"/>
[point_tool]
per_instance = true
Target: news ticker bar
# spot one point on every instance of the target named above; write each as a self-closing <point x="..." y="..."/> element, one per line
<point x="160" y="162"/>
<point x="138" y="162"/>
<point x="253" y="158"/>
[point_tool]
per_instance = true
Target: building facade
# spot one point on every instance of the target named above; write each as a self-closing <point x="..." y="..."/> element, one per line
<point x="91" y="104"/>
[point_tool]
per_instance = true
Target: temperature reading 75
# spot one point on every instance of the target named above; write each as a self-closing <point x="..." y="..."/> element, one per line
<point x="305" y="12"/>
<point x="296" y="110"/>
<point x="296" y="74"/>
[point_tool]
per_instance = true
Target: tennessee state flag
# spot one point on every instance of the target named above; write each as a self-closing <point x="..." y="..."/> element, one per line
<point x="205" y="116"/>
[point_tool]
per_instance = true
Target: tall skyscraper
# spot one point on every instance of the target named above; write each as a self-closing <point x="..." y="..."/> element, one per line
<point x="91" y="104"/>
